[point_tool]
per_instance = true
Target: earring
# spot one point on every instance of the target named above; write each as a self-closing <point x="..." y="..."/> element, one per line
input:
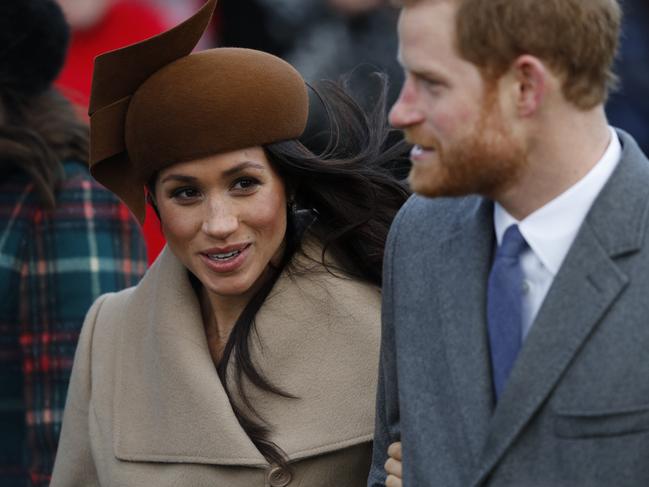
<point x="291" y="206"/>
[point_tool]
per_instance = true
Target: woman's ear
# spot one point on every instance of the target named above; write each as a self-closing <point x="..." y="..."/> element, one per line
<point x="150" y="199"/>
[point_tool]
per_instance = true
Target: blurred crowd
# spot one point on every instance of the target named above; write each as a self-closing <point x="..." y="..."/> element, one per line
<point x="628" y="108"/>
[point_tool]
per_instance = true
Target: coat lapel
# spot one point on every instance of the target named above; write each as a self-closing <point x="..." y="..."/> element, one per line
<point x="587" y="285"/>
<point x="169" y="402"/>
<point x="313" y="330"/>
<point x="464" y="315"/>
<point x="583" y="290"/>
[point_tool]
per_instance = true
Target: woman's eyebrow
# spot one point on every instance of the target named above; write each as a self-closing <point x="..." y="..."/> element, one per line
<point x="179" y="177"/>
<point x="243" y="165"/>
<point x="227" y="173"/>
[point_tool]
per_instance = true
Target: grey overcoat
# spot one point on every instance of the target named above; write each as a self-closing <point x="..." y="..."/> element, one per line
<point x="146" y="407"/>
<point x="575" y="411"/>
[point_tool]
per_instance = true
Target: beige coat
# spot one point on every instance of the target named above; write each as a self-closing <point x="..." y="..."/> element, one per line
<point x="146" y="407"/>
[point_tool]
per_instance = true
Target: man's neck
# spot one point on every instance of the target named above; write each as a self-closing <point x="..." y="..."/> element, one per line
<point x="561" y="152"/>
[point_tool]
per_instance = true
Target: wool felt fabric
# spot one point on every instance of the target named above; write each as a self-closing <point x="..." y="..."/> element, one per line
<point x="33" y="43"/>
<point x="154" y="104"/>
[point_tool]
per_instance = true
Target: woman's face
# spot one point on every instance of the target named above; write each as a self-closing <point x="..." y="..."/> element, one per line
<point x="224" y="217"/>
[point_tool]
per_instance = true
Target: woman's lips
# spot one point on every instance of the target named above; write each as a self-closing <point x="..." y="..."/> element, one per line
<point x="226" y="261"/>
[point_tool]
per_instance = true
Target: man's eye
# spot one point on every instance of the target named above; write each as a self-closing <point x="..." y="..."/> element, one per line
<point x="431" y="84"/>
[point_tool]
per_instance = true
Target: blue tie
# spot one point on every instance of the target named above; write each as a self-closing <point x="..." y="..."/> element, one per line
<point x="504" y="311"/>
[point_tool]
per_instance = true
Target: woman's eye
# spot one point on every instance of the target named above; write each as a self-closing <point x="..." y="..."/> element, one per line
<point x="184" y="194"/>
<point x="245" y="184"/>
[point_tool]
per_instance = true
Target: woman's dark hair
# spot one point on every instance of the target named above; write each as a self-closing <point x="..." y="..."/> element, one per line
<point x="351" y="195"/>
<point x="37" y="133"/>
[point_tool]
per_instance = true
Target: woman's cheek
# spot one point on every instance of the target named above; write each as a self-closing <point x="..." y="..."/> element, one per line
<point x="179" y="223"/>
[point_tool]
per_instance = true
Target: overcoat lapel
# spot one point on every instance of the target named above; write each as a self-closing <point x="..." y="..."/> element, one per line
<point x="316" y="336"/>
<point x="464" y="318"/>
<point x="583" y="290"/>
<point x="169" y="402"/>
<point x="587" y="285"/>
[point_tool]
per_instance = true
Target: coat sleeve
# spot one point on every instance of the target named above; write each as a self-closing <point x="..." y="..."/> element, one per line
<point x="74" y="465"/>
<point x="387" y="428"/>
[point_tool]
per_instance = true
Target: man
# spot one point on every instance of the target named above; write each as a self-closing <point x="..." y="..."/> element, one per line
<point x="516" y="310"/>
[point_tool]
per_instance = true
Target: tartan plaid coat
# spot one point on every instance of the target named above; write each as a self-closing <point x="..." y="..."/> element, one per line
<point x="53" y="265"/>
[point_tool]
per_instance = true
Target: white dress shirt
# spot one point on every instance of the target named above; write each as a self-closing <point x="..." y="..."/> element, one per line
<point x="551" y="230"/>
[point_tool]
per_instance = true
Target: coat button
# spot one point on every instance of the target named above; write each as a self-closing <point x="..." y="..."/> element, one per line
<point x="279" y="477"/>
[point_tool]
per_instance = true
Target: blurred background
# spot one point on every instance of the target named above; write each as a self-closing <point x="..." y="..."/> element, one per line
<point x="323" y="39"/>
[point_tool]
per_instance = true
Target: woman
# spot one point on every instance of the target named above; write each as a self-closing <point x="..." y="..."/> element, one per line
<point x="64" y="239"/>
<point x="247" y="355"/>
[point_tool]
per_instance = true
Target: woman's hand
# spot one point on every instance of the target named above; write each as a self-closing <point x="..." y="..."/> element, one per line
<point x="393" y="466"/>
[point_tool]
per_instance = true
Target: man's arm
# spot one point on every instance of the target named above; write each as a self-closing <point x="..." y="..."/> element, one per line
<point x="387" y="428"/>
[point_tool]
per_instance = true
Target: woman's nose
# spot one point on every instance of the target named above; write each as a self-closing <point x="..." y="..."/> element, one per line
<point x="220" y="221"/>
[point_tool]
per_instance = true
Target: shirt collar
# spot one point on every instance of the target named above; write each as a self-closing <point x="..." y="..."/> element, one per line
<point x="550" y="230"/>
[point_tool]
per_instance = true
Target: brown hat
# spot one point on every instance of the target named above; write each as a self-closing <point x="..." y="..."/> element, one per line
<point x="154" y="104"/>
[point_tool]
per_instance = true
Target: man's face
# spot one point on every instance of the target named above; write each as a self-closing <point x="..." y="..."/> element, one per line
<point x="463" y="144"/>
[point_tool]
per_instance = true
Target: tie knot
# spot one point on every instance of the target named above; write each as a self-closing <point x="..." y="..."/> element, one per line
<point x="513" y="243"/>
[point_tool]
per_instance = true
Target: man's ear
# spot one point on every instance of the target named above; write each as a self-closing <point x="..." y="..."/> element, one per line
<point x="531" y="77"/>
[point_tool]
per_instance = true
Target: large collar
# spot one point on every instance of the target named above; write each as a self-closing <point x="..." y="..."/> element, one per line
<point x="317" y="338"/>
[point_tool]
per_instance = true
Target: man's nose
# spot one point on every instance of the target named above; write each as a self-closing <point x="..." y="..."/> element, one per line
<point x="406" y="112"/>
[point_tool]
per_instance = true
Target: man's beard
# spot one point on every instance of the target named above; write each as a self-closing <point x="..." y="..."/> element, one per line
<point x="487" y="161"/>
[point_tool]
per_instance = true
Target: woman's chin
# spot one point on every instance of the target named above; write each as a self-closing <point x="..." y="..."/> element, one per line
<point x="228" y="289"/>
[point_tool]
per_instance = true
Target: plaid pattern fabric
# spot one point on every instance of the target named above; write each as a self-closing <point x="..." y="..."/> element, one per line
<point x="53" y="265"/>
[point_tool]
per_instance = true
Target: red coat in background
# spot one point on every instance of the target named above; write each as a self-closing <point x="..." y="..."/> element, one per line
<point x="125" y="22"/>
